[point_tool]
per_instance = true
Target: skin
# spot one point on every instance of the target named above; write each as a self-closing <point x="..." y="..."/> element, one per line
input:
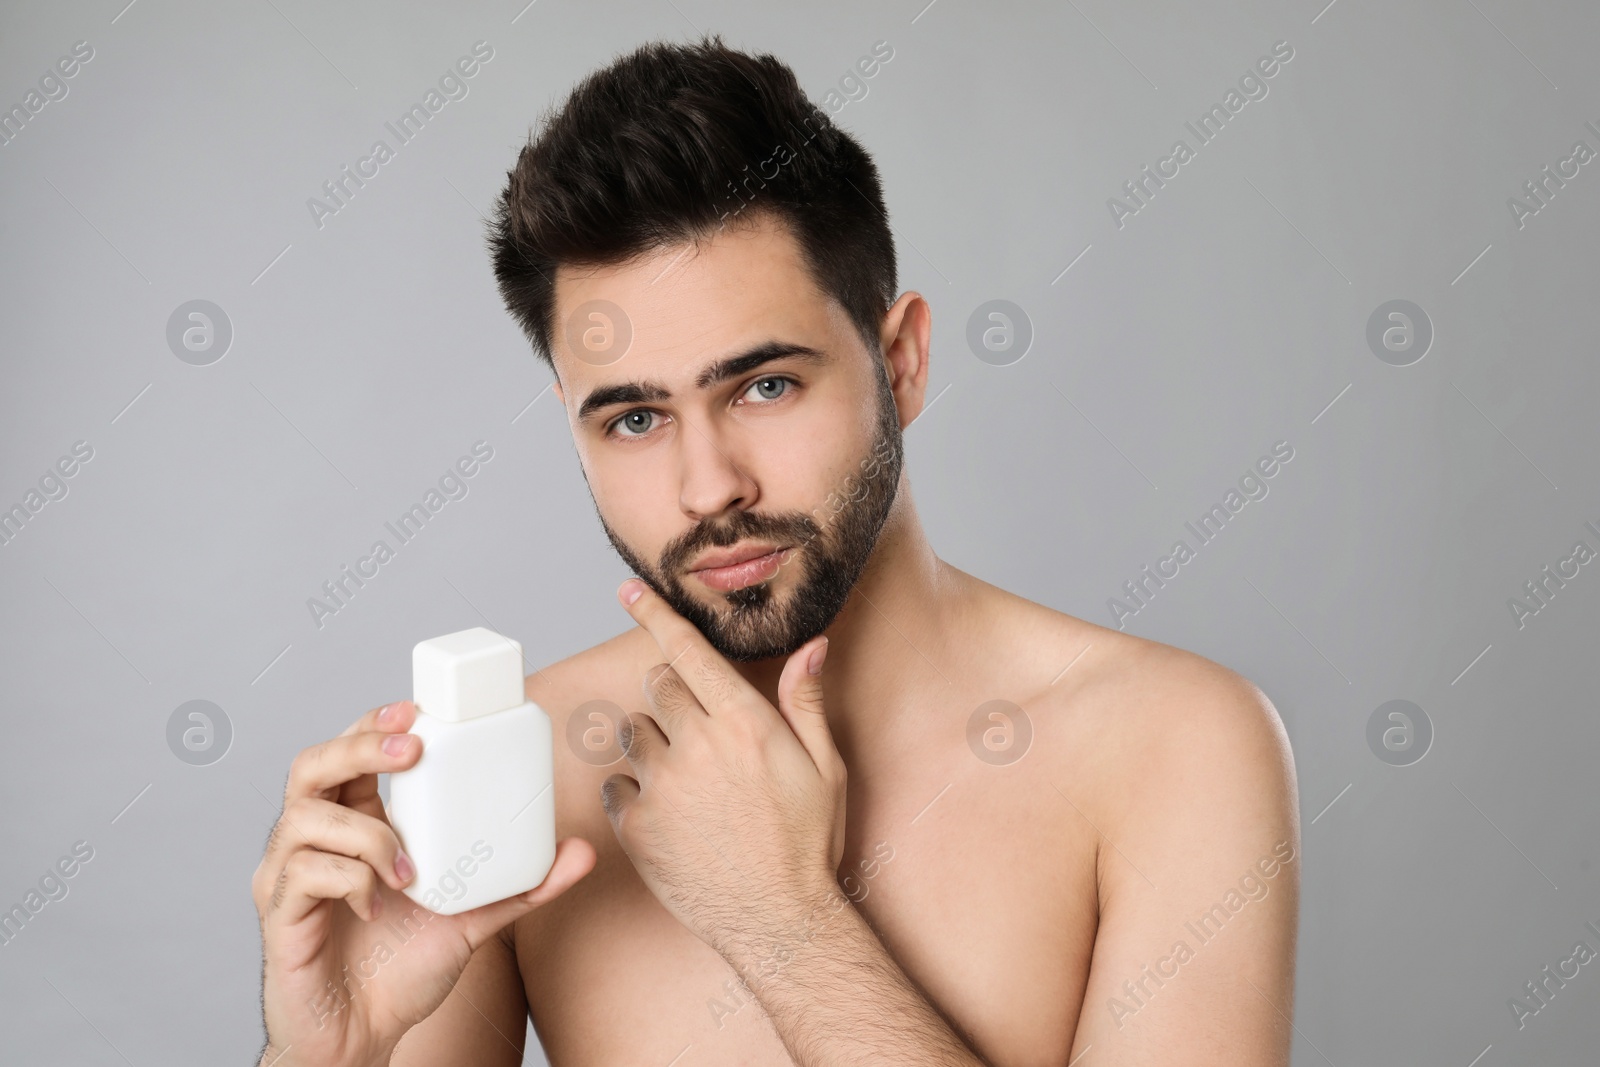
<point x="834" y="841"/>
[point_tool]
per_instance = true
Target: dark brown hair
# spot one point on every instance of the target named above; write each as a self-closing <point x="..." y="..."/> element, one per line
<point x="671" y="143"/>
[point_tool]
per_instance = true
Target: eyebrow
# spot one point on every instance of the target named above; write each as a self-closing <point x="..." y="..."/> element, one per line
<point x="652" y="390"/>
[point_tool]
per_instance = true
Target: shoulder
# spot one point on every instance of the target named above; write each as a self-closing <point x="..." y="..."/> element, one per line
<point x="1157" y="684"/>
<point x="1178" y="770"/>
<point x="587" y="695"/>
<point x="1149" y="733"/>
<point x="1185" y="769"/>
<point x="594" y="673"/>
<point x="1183" y="712"/>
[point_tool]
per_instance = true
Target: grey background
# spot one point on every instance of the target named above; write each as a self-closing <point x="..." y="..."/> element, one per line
<point x="1228" y="314"/>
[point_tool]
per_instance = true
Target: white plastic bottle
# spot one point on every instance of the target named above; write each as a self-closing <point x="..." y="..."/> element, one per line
<point x="476" y="813"/>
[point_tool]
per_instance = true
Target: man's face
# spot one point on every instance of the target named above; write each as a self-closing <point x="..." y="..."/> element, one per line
<point x="759" y="422"/>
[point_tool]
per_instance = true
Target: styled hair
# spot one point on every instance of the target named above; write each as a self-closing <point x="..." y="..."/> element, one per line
<point x="671" y="143"/>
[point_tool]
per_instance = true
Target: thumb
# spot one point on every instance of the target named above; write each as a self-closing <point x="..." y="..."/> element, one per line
<point x="800" y="701"/>
<point x="575" y="857"/>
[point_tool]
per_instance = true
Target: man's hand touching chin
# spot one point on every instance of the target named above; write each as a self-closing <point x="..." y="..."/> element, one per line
<point x="734" y="815"/>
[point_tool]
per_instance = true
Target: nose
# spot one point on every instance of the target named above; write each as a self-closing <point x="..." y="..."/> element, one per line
<point x="711" y="479"/>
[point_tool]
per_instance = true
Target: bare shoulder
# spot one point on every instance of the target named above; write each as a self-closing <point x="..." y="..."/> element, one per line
<point x="583" y="674"/>
<point x="1179" y="775"/>
<point x="1176" y="709"/>
<point x="585" y="696"/>
<point x="1142" y="724"/>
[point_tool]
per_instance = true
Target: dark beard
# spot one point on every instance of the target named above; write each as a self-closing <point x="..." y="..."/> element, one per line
<point x="831" y="555"/>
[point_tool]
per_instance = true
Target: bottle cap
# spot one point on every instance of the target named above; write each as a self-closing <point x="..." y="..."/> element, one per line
<point x="466" y="674"/>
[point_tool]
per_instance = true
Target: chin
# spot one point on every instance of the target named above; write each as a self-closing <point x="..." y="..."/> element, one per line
<point x="749" y="625"/>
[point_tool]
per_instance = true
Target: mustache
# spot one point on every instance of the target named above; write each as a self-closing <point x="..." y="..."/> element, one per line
<point x="789" y="529"/>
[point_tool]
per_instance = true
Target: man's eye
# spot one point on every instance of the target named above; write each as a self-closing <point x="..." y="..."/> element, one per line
<point x="768" y="388"/>
<point x="635" y="423"/>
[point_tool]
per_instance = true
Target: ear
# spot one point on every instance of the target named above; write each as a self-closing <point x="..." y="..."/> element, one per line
<point x="556" y="385"/>
<point x="907" y="330"/>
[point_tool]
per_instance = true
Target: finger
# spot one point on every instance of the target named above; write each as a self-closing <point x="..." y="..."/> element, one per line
<point x="390" y="717"/>
<point x="800" y="703"/>
<point x="641" y="740"/>
<point x="337" y="769"/>
<point x="712" y="679"/>
<point x="314" y="823"/>
<point x="575" y="858"/>
<point x="618" y="793"/>
<point x="672" y="703"/>
<point x="362" y="792"/>
<point x="310" y="877"/>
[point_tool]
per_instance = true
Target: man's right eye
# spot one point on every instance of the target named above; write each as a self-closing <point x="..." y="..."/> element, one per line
<point x="633" y="423"/>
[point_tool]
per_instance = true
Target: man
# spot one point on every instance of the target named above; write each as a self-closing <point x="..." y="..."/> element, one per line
<point x="985" y="833"/>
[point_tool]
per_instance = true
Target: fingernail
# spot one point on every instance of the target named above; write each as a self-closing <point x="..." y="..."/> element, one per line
<point x="630" y="590"/>
<point x="814" y="666"/>
<point x="403" y="869"/>
<point x="389" y="713"/>
<point x="396" y="745"/>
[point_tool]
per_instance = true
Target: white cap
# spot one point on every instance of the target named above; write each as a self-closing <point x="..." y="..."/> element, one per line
<point x="466" y="674"/>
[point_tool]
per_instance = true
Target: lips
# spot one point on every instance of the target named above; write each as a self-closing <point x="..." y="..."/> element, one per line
<point x="731" y="569"/>
<point x="727" y="557"/>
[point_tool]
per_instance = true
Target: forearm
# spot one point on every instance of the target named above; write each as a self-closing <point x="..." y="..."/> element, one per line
<point x="836" y="996"/>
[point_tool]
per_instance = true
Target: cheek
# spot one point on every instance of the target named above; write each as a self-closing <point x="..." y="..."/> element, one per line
<point x="826" y="467"/>
<point x="637" y="495"/>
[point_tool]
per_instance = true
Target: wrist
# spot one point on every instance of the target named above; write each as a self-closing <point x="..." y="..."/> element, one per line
<point x="273" y="1056"/>
<point x="379" y="1057"/>
<point x="777" y="941"/>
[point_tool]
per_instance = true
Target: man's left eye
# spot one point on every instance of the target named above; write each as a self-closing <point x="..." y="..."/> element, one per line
<point x="768" y="388"/>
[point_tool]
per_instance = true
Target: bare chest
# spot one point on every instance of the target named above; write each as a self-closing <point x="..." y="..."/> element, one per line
<point x="981" y="889"/>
